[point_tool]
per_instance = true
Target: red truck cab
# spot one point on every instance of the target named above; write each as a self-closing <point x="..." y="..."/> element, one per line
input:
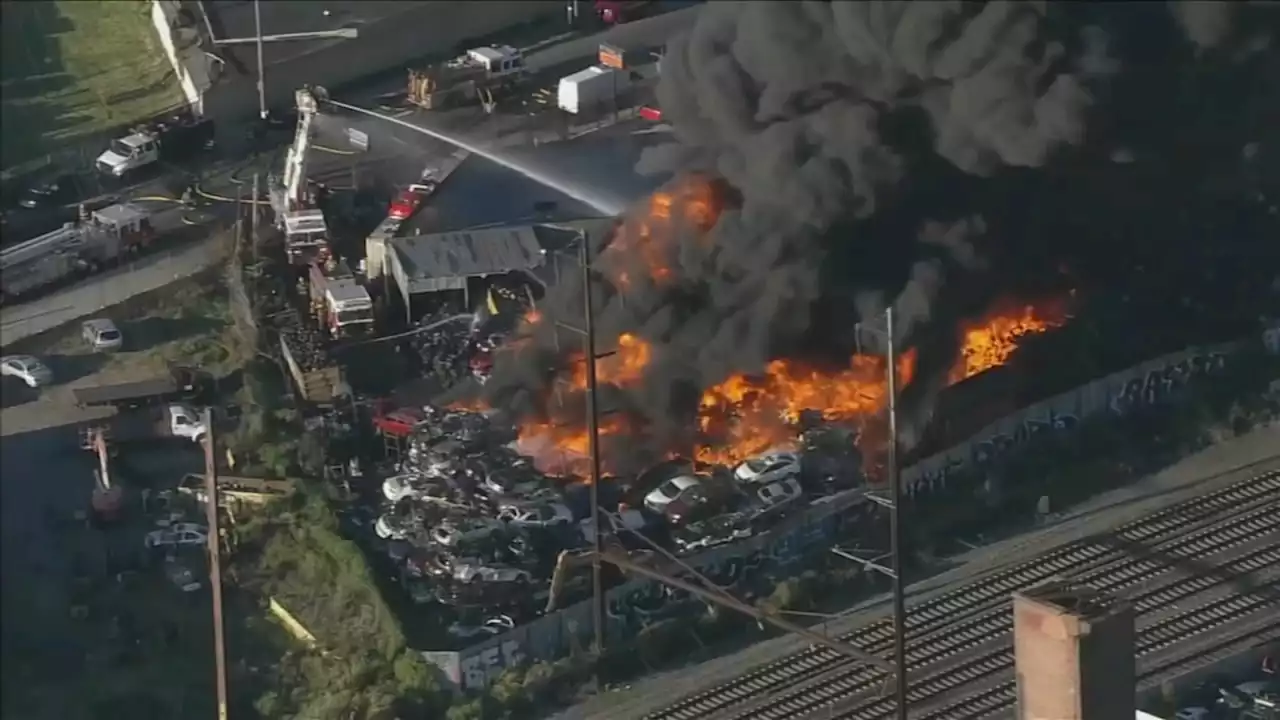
<point x="616" y="12"/>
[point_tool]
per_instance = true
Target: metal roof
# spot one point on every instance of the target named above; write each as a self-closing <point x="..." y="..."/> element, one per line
<point x="121" y="214"/>
<point x="437" y="262"/>
<point x="304" y="221"/>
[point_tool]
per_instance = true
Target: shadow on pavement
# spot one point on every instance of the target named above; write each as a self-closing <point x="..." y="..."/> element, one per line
<point x="149" y="332"/>
<point x="14" y="392"/>
<point x="69" y="368"/>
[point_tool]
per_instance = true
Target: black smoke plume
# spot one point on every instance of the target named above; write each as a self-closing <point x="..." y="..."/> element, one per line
<point x="875" y="154"/>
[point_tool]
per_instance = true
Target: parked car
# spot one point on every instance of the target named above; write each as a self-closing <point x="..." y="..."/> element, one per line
<point x="775" y="498"/>
<point x="535" y="514"/>
<point x="26" y="368"/>
<point x="493" y="626"/>
<point x="719" y="530"/>
<point x="681" y="487"/>
<point x="101" y="335"/>
<point x="454" y="533"/>
<point x="407" y="203"/>
<point x="396" y="525"/>
<point x="768" y="467"/>
<point x="474" y="573"/>
<point x="179" y="534"/>
<point x="416" y="487"/>
<point x="55" y="192"/>
<point x="512" y="481"/>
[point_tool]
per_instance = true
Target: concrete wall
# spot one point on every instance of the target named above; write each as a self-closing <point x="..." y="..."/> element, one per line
<point x="181" y="42"/>
<point x="429" y="29"/>
<point x="787" y="546"/>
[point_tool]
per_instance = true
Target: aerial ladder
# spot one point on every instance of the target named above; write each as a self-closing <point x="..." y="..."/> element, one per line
<point x="297" y="212"/>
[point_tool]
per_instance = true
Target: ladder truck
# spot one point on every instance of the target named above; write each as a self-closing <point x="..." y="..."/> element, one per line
<point x="295" y="203"/>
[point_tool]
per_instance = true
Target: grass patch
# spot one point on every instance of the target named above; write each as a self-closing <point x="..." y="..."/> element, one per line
<point x="361" y="668"/>
<point x="73" y="68"/>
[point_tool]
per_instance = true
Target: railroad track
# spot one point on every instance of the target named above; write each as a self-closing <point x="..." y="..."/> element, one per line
<point x="961" y="622"/>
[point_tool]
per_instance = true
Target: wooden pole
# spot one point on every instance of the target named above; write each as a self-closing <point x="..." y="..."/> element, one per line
<point x="215" y="562"/>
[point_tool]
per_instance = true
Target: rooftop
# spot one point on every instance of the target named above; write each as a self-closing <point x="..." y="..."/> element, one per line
<point x="1079" y="600"/>
<point x="436" y="262"/>
<point x="121" y="214"/>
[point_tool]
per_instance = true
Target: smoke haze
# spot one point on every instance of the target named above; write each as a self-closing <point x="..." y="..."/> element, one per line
<point x="858" y="144"/>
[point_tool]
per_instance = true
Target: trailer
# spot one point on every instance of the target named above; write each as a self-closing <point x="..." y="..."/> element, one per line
<point x="89" y="244"/>
<point x="592" y="88"/>
<point x="317" y="385"/>
<point x="478" y="75"/>
<point x="179" y="385"/>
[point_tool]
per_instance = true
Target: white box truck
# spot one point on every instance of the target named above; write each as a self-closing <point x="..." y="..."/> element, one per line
<point x="595" y="87"/>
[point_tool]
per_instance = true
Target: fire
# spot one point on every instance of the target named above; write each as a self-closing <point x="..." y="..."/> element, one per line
<point x="648" y="235"/>
<point x="991" y="341"/>
<point x="746" y="416"/>
<point x="533" y="316"/>
<point x="624" y="366"/>
<point x="564" y="449"/>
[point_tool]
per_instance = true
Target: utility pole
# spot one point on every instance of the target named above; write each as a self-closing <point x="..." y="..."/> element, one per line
<point x="892" y="502"/>
<point x="215" y="561"/>
<point x="895" y="524"/>
<point x="262" y="80"/>
<point x="253" y="220"/>
<point x="593" y="440"/>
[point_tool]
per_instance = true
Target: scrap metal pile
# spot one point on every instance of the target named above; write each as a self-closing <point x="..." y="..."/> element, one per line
<point x="442" y="350"/>
<point x="306" y="345"/>
<point x="470" y="523"/>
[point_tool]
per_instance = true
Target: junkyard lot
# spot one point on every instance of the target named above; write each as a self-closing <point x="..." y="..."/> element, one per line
<point x="139" y="635"/>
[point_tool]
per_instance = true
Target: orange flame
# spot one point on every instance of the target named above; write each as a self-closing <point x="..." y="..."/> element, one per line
<point x="991" y="341"/>
<point x="745" y="415"/>
<point x="624" y="366"/>
<point x="647" y="237"/>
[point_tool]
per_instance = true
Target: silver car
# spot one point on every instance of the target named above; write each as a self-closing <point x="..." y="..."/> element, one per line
<point x="26" y="368"/>
<point x="102" y="335"/>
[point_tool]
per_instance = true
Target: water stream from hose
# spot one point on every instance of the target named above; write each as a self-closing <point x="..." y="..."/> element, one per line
<point x="584" y="195"/>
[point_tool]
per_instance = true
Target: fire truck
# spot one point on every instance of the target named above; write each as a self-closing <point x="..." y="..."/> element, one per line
<point x="340" y="305"/>
<point x="295" y="202"/>
<point x="90" y="243"/>
<point x="480" y="74"/>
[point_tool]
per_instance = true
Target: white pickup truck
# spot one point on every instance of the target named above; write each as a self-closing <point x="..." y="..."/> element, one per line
<point x="174" y="140"/>
<point x="175" y="420"/>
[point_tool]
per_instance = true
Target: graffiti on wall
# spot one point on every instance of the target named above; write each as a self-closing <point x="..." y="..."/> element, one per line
<point x="991" y="449"/>
<point x="1163" y="383"/>
<point x="480" y="668"/>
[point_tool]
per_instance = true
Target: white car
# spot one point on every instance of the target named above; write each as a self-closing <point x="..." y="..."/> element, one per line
<point x="674" y="489"/>
<point x="471" y="572"/>
<point x="26" y="368"/>
<point x="449" y="534"/>
<point x="399" y="487"/>
<point x="535" y="514"/>
<point x="392" y="527"/>
<point x="493" y="626"/>
<point x="782" y="492"/>
<point x="179" y="534"/>
<point x="768" y="467"/>
<point x="101" y="335"/>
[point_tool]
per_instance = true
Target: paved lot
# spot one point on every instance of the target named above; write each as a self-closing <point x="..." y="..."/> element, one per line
<point x="1213" y="468"/>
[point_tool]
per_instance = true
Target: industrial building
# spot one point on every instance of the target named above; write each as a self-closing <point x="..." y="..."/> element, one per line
<point x="421" y="271"/>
